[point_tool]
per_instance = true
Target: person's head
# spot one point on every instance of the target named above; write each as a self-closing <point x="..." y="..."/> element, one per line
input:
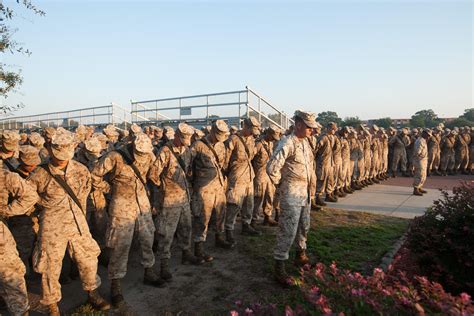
<point x="142" y="146"/>
<point x="251" y="126"/>
<point x="198" y="134"/>
<point x="331" y="128"/>
<point x="29" y="158"/>
<point x="9" y="142"/>
<point x="219" y="131"/>
<point x="48" y="134"/>
<point x="233" y="130"/>
<point x="111" y="133"/>
<point x="93" y="148"/>
<point x="168" y="133"/>
<point x="182" y="135"/>
<point x="134" y="130"/>
<point x="36" y="140"/>
<point x="273" y="133"/>
<point x="374" y="129"/>
<point x="157" y="133"/>
<point x="62" y="148"/>
<point x="304" y="123"/>
<point x="426" y="133"/>
<point x="344" y="131"/>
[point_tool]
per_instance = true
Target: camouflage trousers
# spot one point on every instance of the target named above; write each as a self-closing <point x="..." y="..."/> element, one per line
<point x="239" y="199"/>
<point x="399" y="157"/>
<point x="293" y="226"/>
<point x="420" y="172"/>
<point x="171" y="221"/>
<point x="264" y="194"/>
<point x="119" y="239"/>
<point x="461" y="159"/>
<point x="12" y="274"/>
<point x="447" y="162"/>
<point x="22" y="230"/>
<point x="206" y="200"/>
<point x="48" y="258"/>
<point x="333" y="181"/>
<point x="433" y="160"/>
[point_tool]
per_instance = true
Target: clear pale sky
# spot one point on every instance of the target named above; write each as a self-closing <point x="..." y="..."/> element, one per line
<point x="359" y="58"/>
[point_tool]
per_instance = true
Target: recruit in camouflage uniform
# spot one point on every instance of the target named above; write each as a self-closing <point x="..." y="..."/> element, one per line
<point x="420" y="161"/>
<point x="12" y="270"/>
<point x="264" y="188"/>
<point x="447" y="152"/>
<point x="291" y="166"/>
<point x="129" y="210"/>
<point x="63" y="223"/>
<point x="171" y="171"/>
<point x="399" y="143"/>
<point x="209" y="162"/>
<point x="324" y="163"/>
<point x="240" y="190"/>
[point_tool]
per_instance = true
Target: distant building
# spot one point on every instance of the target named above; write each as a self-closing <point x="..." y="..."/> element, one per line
<point x="402" y="122"/>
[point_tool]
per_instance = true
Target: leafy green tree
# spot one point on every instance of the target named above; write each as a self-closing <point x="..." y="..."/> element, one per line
<point x="385" y="122"/>
<point x="468" y="114"/>
<point x="325" y="117"/>
<point x="459" y="122"/>
<point x="425" y="118"/>
<point x="10" y="79"/>
<point x="353" y="121"/>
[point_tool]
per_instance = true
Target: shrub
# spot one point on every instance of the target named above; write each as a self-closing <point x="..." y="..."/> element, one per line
<point x="442" y="240"/>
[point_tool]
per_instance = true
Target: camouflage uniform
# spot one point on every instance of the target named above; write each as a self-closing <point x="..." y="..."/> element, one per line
<point x="240" y="191"/>
<point x="129" y="208"/>
<point x="447" y="153"/>
<point x="336" y="170"/>
<point x="264" y="188"/>
<point x="208" y="185"/>
<point x="324" y="163"/>
<point x="12" y="269"/>
<point x="420" y="162"/>
<point x="63" y="225"/>
<point x="175" y="215"/>
<point x="461" y="147"/>
<point x="433" y="154"/>
<point x="345" y="175"/>
<point x="292" y="165"/>
<point x="399" y="144"/>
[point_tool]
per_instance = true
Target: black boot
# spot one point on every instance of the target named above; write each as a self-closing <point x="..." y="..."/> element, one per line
<point x="320" y="201"/>
<point x="268" y="221"/>
<point x="116" y="293"/>
<point x="331" y="198"/>
<point x="199" y="252"/>
<point x="151" y="278"/>
<point x="189" y="258"/>
<point x="417" y="192"/>
<point x="229" y="237"/>
<point x="280" y="273"/>
<point x="165" y="272"/>
<point x="422" y="191"/>
<point x="248" y="230"/>
<point x="97" y="301"/>
<point x="301" y="258"/>
<point x="222" y="243"/>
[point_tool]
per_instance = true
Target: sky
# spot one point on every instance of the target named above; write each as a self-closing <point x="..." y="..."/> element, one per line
<point x="368" y="59"/>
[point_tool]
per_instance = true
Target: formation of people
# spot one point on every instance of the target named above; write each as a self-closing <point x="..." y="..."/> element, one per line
<point x="82" y="196"/>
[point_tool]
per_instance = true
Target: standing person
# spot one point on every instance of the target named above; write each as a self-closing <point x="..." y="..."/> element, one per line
<point x="240" y="194"/>
<point x="209" y="162"/>
<point x="63" y="186"/>
<point x="9" y="142"/>
<point x="129" y="210"/>
<point x="313" y="142"/>
<point x="264" y="188"/>
<point x="420" y="161"/>
<point x="345" y="175"/>
<point x="399" y="143"/>
<point x="16" y="198"/>
<point x="291" y="166"/>
<point x="171" y="172"/>
<point x="433" y="152"/>
<point x="447" y="152"/>
<point x="324" y="163"/>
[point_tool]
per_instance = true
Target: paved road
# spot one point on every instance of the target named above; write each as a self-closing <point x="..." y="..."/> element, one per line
<point x="394" y="197"/>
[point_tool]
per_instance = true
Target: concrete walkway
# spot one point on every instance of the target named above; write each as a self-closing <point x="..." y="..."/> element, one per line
<point x="397" y="201"/>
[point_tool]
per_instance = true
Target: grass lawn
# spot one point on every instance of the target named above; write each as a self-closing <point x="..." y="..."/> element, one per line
<point x="355" y="240"/>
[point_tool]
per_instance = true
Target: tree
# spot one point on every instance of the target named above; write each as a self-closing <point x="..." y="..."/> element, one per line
<point x="325" y="117"/>
<point x="385" y="122"/>
<point x="459" y="122"/>
<point x="10" y="80"/>
<point x="468" y="114"/>
<point x="425" y="118"/>
<point x="353" y="121"/>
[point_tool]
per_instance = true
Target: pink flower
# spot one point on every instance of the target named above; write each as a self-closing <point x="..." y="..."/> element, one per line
<point x="465" y="298"/>
<point x="234" y="313"/>
<point x="238" y="303"/>
<point x="248" y="311"/>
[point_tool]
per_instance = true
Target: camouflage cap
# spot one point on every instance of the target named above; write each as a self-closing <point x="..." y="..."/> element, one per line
<point x="309" y="118"/>
<point x="135" y="129"/>
<point x="220" y="130"/>
<point x="10" y="139"/>
<point x="49" y="132"/>
<point x="63" y="145"/>
<point x="185" y="130"/>
<point x="199" y="133"/>
<point x="29" y="155"/>
<point x="93" y="146"/>
<point x="81" y="129"/>
<point x="251" y="122"/>
<point x="375" y="128"/>
<point x="23" y="137"/>
<point x="345" y="129"/>
<point x="428" y="131"/>
<point x="143" y="143"/>
<point x="414" y="130"/>
<point x="233" y="128"/>
<point x="36" y="139"/>
<point x="405" y="131"/>
<point x="110" y="131"/>
<point x="168" y="131"/>
<point x="274" y="129"/>
<point x="392" y="129"/>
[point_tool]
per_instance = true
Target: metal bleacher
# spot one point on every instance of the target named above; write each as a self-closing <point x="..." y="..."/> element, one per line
<point x="196" y="110"/>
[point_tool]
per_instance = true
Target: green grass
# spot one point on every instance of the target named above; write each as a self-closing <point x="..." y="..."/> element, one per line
<point x="355" y="240"/>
